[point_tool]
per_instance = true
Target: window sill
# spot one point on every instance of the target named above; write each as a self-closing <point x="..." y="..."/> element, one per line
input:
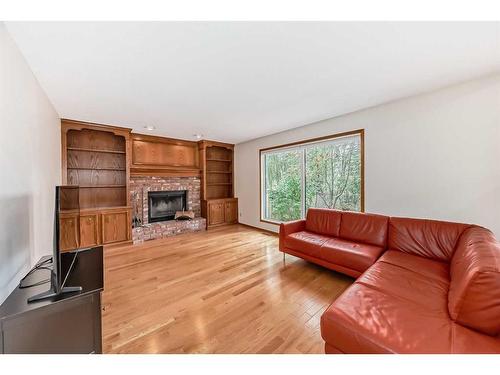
<point x="270" y="221"/>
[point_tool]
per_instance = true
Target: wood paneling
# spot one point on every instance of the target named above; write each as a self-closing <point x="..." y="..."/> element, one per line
<point x="89" y="230"/>
<point x="164" y="156"/>
<point x="225" y="290"/>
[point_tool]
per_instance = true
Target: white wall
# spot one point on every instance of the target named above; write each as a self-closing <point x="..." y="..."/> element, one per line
<point x="30" y="166"/>
<point x="435" y="156"/>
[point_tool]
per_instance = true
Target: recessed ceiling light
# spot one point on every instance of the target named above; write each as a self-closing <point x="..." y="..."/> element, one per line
<point x="150" y="127"/>
<point x="198" y="136"/>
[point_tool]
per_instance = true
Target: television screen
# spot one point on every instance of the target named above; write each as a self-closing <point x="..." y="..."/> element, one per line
<point x="67" y="200"/>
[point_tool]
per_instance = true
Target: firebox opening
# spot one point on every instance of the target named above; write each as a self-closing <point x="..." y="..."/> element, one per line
<point x="162" y="205"/>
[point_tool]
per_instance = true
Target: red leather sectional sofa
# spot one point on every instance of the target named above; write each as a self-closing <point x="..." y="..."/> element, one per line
<point x="423" y="286"/>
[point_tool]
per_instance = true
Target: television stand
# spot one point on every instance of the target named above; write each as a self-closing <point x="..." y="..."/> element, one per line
<point x="51" y="293"/>
<point x="54" y="290"/>
<point x="48" y="326"/>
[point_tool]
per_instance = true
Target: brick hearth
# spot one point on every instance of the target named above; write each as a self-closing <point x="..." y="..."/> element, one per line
<point x="139" y="187"/>
<point x="169" y="228"/>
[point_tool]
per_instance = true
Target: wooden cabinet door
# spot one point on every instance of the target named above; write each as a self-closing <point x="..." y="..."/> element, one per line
<point x="216" y="213"/>
<point x="115" y="226"/>
<point x="231" y="212"/>
<point x="89" y="233"/>
<point x="68" y="232"/>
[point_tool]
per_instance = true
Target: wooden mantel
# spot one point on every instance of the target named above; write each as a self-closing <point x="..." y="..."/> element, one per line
<point x="164" y="157"/>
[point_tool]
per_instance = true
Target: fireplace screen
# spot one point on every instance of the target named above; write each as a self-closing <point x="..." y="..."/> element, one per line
<point x="162" y="205"/>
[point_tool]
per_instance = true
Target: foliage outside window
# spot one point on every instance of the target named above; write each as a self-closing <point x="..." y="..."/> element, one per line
<point x="326" y="173"/>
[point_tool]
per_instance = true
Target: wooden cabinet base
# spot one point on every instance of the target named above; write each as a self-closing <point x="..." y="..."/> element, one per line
<point x="99" y="226"/>
<point x="220" y="211"/>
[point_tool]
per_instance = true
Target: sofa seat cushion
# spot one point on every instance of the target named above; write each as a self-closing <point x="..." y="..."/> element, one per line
<point x="367" y="320"/>
<point x="392" y="308"/>
<point x="306" y="242"/>
<point x="410" y="286"/>
<point x="353" y="255"/>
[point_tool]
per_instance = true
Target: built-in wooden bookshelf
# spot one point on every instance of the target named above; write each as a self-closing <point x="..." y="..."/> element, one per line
<point x="219" y="205"/>
<point x="219" y="171"/>
<point x="96" y="162"/>
<point x="96" y="159"/>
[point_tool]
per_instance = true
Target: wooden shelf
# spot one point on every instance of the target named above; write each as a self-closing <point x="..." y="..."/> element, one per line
<point x="103" y="208"/>
<point x="101" y="186"/>
<point x="225" y="160"/>
<point x="97" y="169"/>
<point x="95" y="150"/>
<point x="228" y="172"/>
<point x="95" y="209"/>
<point x="219" y="183"/>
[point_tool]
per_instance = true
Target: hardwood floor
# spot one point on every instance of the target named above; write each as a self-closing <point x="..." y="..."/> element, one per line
<point x="225" y="290"/>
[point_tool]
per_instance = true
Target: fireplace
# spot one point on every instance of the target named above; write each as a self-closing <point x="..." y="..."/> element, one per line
<point x="162" y="205"/>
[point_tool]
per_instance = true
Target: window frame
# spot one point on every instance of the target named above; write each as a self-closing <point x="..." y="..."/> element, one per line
<point x="291" y="146"/>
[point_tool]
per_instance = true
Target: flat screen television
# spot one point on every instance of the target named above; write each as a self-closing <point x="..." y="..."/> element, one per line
<point x="67" y="199"/>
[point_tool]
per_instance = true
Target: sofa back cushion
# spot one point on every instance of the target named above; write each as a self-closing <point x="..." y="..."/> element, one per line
<point x="426" y="238"/>
<point x="365" y="228"/>
<point x="323" y="221"/>
<point x="474" y="295"/>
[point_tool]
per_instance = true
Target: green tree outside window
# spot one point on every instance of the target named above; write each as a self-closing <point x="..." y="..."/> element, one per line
<point x="325" y="174"/>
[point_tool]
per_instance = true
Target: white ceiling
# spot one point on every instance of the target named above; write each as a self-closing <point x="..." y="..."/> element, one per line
<point x="235" y="81"/>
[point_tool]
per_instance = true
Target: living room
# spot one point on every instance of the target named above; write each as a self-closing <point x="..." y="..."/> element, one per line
<point x="273" y="187"/>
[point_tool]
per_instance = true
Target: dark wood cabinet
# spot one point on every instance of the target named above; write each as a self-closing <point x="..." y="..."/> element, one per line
<point x="67" y="324"/>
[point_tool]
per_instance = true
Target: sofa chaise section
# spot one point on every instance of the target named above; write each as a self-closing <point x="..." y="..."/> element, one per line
<point x="436" y="290"/>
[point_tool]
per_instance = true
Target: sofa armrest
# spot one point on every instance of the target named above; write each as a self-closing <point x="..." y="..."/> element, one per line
<point x="289" y="228"/>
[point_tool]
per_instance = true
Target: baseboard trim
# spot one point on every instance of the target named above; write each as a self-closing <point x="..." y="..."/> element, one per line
<point x="260" y="229"/>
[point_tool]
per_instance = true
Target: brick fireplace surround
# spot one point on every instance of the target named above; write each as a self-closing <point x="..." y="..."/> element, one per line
<point x="139" y="187"/>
